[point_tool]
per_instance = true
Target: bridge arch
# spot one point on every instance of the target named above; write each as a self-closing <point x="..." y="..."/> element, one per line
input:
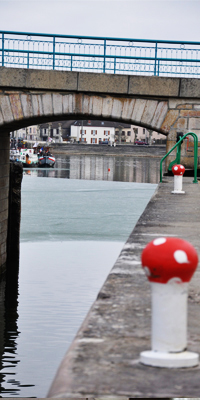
<point x="19" y="109"/>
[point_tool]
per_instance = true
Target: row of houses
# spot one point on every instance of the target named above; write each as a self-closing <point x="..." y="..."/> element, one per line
<point x="88" y="131"/>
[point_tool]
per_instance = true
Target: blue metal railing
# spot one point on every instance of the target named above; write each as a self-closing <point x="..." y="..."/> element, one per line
<point x="100" y="54"/>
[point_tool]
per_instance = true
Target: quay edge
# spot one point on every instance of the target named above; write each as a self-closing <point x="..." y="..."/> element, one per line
<point x="105" y="150"/>
<point x="103" y="359"/>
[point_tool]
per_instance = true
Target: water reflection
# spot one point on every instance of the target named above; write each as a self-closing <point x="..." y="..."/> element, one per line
<point x="8" y="337"/>
<point x="2" y="328"/>
<point x="123" y="169"/>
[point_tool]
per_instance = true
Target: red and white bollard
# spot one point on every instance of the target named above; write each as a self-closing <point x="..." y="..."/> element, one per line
<point x="169" y="264"/>
<point x="178" y="171"/>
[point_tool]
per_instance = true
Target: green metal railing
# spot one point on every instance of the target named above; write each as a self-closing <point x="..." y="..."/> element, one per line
<point x="100" y="54"/>
<point x="178" y="155"/>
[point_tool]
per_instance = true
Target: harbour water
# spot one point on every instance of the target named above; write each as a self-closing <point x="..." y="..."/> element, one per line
<point x="72" y="231"/>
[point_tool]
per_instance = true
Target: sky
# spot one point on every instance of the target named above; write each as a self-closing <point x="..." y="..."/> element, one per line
<point x="143" y="19"/>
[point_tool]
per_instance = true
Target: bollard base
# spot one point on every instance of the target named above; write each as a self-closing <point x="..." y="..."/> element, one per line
<point x="178" y="192"/>
<point x="184" y="359"/>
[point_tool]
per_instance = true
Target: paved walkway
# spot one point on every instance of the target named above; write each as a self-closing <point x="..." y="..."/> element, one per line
<point x="103" y="360"/>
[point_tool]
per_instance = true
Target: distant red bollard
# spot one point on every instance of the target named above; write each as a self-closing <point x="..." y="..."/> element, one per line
<point x="178" y="171"/>
<point x="169" y="264"/>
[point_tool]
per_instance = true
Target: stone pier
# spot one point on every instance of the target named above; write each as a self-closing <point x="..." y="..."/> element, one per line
<point x="4" y="193"/>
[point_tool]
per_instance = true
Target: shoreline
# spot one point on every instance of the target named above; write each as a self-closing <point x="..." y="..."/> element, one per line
<point x="105" y="150"/>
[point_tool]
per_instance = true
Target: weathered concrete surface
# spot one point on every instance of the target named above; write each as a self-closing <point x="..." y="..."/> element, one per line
<point x="103" y="360"/>
<point x="142" y="85"/>
<point x="101" y="83"/>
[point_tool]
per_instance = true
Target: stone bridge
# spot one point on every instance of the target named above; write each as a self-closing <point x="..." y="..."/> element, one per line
<point x="27" y="97"/>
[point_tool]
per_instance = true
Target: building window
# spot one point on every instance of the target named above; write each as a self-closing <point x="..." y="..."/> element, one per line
<point x="106" y="133"/>
<point x="55" y="131"/>
<point x="143" y="131"/>
<point x="93" y="132"/>
<point x="123" y="133"/>
<point x="129" y="133"/>
<point x="82" y="132"/>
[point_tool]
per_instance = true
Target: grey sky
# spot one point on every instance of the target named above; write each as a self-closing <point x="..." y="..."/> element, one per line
<point x="167" y="19"/>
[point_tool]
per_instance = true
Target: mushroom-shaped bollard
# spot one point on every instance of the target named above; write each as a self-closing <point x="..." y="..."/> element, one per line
<point x="169" y="264"/>
<point x="178" y="171"/>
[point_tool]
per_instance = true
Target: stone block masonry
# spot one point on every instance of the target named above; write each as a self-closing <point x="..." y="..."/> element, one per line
<point x="183" y="116"/>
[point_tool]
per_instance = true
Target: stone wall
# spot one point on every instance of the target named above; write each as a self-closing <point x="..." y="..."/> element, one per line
<point x="4" y="191"/>
<point x="183" y="116"/>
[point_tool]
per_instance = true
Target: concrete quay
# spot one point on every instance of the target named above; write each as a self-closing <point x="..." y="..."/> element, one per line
<point x="120" y="150"/>
<point x="103" y="360"/>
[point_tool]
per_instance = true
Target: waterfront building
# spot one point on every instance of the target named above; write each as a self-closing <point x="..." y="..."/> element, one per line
<point x="89" y="132"/>
<point x="53" y="130"/>
<point x="93" y="132"/>
<point x="28" y="133"/>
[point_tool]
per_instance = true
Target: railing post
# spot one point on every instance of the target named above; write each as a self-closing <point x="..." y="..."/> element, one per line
<point x="54" y="52"/>
<point x="2" y="55"/>
<point x="104" y="59"/>
<point x="28" y="60"/>
<point x="158" y="67"/>
<point x="71" y="63"/>
<point x="114" y="65"/>
<point x="155" y="59"/>
<point x="195" y="157"/>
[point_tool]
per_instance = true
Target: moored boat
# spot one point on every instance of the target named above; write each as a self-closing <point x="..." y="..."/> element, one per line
<point x="28" y="158"/>
<point x="14" y="155"/>
<point x="46" y="159"/>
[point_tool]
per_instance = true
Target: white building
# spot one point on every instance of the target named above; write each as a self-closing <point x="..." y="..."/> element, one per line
<point x="92" y="132"/>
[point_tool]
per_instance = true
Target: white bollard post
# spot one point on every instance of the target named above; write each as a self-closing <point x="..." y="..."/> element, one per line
<point x="178" y="171"/>
<point x="169" y="264"/>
